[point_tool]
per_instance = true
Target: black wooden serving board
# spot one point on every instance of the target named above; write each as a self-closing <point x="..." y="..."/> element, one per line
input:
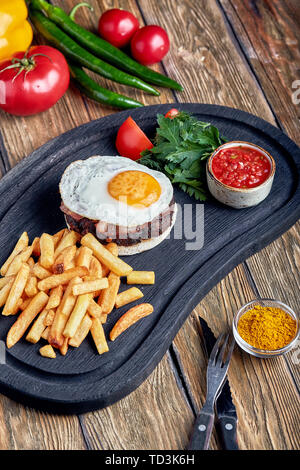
<point x="82" y="380"/>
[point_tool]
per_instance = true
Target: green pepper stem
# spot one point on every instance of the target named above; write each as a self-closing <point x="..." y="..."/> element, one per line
<point x="82" y="4"/>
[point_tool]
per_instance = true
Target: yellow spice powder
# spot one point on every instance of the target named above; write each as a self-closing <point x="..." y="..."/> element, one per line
<point x="267" y="328"/>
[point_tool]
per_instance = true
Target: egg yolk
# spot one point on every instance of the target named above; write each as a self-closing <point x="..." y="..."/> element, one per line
<point x="135" y="188"/>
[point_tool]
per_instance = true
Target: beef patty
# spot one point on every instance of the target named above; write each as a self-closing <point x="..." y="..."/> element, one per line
<point x="123" y="236"/>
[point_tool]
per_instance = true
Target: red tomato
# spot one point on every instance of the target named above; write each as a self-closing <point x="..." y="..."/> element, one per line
<point x="150" y="44"/>
<point x="38" y="81"/>
<point x="172" y="113"/>
<point x="131" y="140"/>
<point x="118" y="26"/>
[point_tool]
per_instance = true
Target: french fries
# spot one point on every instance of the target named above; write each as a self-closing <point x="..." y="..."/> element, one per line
<point x="21" y="244"/>
<point x="108" y="296"/>
<point x="62" y="315"/>
<point x="69" y="239"/>
<point x="38" y="327"/>
<point x="94" y="309"/>
<point x="99" y="336"/>
<point x="47" y="351"/>
<point x="40" y="272"/>
<point x="114" y="263"/>
<point x="61" y="288"/>
<point x="17" y="289"/>
<point x="141" y="277"/>
<point x="84" y="256"/>
<point x="22" y="257"/>
<point x="65" y="260"/>
<point x="127" y="296"/>
<point x="77" y="315"/>
<point x="49" y="317"/>
<point x="81" y="332"/>
<point x="88" y="287"/>
<point x="31" y="286"/>
<point x="96" y="268"/>
<point x="25" y="318"/>
<point x="58" y="279"/>
<point x="129" y="318"/>
<point x="47" y="251"/>
<point x="55" y="297"/>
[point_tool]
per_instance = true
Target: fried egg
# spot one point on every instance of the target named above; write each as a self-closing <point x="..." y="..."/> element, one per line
<point x="115" y="190"/>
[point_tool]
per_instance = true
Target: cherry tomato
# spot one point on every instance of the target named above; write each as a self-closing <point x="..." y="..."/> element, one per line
<point x="38" y="80"/>
<point x="172" y="113"/>
<point x="150" y="44"/>
<point x="131" y="140"/>
<point x="118" y="26"/>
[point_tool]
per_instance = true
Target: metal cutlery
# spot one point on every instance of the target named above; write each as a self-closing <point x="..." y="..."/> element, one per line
<point x="216" y="374"/>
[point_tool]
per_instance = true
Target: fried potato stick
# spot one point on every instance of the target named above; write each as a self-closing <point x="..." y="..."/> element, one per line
<point x="114" y="263"/>
<point x="62" y="315"/>
<point x="127" y="296"/>
<point x="38" y="327"/>
<point x="25" y="318"/>
<point x="16" y="290"/>
<point x="55" y="297"/>
<point x="20" y="245"/>
<point x="77" y="315"/>
<point x="65" y="260"/>
<point x="47" y="351"/>
<point x="4" y="292"/>
<point x="69" y="239"/>
<point x="108" y="296"/>
<point x="99" y="336"/>
<point x="47" y="251"/>
<point x="22" y="257"/>
<point x="141" y="277"/>
<point x="57" y="279"/>
<point x="88" y="287"/>
<point x="129" y="318"/>
<point x="81" y="332"/>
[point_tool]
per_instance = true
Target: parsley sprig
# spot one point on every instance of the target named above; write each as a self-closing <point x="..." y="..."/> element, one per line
<point x="181" y="148"/>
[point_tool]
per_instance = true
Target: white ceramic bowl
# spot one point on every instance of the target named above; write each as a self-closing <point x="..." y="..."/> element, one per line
<point x="237" y="197"/>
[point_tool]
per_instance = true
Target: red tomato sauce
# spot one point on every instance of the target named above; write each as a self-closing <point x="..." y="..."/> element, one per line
<point x="241" y="167"/>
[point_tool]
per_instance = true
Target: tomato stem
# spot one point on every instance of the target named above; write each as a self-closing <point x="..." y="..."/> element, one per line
<point x="25" y="63"/>
<point x="82" y="4"/>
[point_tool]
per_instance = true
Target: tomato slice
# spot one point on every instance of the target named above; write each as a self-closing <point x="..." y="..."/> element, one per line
<point x="172" y="113"/>
<point x="131" y="140"/>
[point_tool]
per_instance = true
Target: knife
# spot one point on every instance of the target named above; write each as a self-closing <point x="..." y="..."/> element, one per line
<point x="226" y="414"/>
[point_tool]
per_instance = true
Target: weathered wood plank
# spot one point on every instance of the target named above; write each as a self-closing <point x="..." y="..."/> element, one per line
<point x="22" y="428"/>
<point x="155" y="416"/>
<point x="270" y="37"/>
<point x="203" y="57"/>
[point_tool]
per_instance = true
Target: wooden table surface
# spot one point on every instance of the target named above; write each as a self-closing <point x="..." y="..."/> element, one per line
<point x="239" y="53"/>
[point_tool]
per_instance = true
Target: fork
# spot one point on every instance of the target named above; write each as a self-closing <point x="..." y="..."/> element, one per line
<point x="216" y="373"/>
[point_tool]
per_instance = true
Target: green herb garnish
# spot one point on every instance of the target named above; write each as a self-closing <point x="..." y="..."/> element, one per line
<point x="181" y="148"/>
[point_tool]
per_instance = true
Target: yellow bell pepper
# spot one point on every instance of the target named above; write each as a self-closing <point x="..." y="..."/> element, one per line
<point x="15" y="30"/>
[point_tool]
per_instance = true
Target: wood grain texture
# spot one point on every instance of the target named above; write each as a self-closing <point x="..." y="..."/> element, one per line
<point x="155" y="416"/>
<point x="22" y="428"/>
<point x="268" y="31"/>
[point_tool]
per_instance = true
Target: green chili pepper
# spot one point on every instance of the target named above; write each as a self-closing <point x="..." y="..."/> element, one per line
<point x="80" y="56"/>
<point x="102" y="48"/>
<point x="94" y="91"/>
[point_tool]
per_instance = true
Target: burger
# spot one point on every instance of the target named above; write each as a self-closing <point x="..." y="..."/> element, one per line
<point x="118" y="200"/>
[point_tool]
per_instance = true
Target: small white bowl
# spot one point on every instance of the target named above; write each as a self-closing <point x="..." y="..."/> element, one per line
<point x="237" y="197"/>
